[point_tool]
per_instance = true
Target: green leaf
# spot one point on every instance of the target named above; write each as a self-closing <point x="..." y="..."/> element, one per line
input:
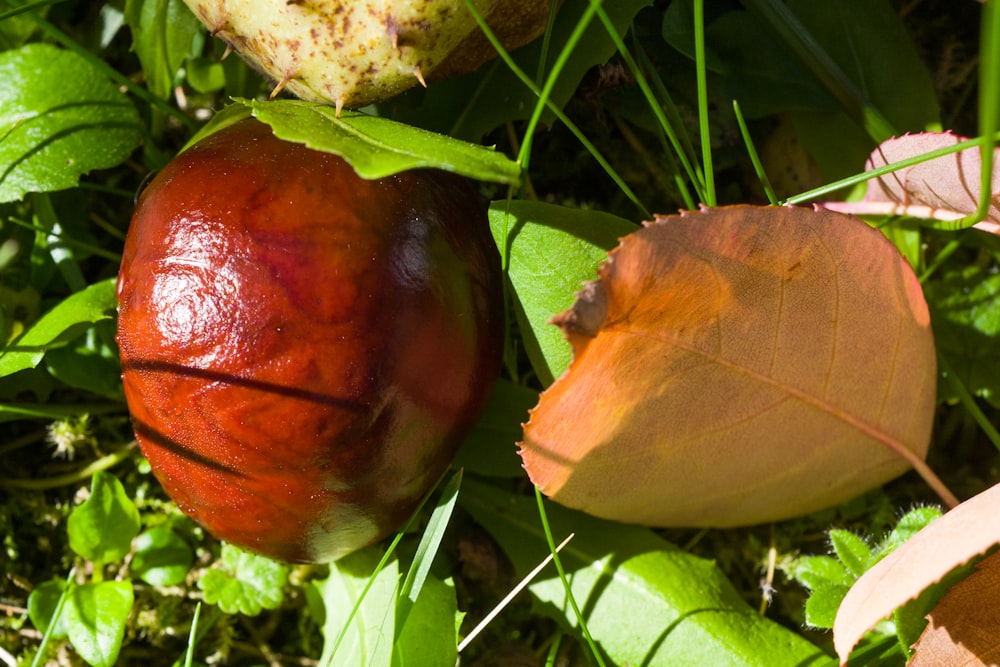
<point x="378" y="147"/>
<point x="96" y="615"/>
<point x="64" y="322"/>
<point x="101" y="529"/>
<point x="822" y="605"/>
<point x="244" y="583"/>
<point x="646" y="602"/>
<point x="550" y="251"/>
<point x="876" y="56"/>
<point x="60" y="118"/>
<point x="490" y="448"/>
<point x="205" y="75"/>
<point x="163" y="32"/>
<point x="828" y="579"/>
<point x="90" y="362"/>
<point x="816" y="571"/>
<point x="828" y="582"/>
<point x="429" y="636"/>
<point x="909" y="525"/>
<point x="42" y="603"/>
<point x="852" y="551"/>
<point x="757" y="69"/>
<point x="161" y="557"/>
<point x="368" y="641"/>
<point x="965" y="312"/>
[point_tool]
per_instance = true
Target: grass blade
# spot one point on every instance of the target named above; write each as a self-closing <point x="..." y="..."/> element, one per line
<point x="426" y="550"/>
<point x="703" y="128"/>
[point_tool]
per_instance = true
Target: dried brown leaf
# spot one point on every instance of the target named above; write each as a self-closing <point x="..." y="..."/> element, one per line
<point x="964" y="628"/>
<point x="735" y="366"/>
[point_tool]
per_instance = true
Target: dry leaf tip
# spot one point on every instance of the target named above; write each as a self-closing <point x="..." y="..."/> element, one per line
<point x="586" y="315"/>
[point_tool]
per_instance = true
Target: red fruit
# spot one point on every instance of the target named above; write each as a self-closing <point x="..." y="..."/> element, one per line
<point x="302" y="350"/>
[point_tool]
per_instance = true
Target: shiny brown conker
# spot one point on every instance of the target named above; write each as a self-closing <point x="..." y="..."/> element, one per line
<point x="302" y="349"/>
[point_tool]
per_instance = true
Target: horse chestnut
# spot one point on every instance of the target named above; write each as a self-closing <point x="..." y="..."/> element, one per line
<point x="302" y="349"/>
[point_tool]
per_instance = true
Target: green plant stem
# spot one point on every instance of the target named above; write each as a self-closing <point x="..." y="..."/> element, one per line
<point x="27" y="8"/>
<point x="968" y="401"/>
<point x="662" y="95"/>
<point x="702" y="79"/>
<point x="562" y="117"/>
<point x="562" y="577"/>
<point x="553" y="653"/>
<point x="69" y="43"/>
<point x="59" y="411"/>
<point x="57" y="235"/>
<point x="652" y="164"/>
<point x="989" y="106"/>
<point x="947" y="251"/>
<point x="54" y="621"/>
<point x="107" y="189"/>
<point x="524" y="155"/>
<point x="23" y="441"/>
<point x="758" y="167"/>
<point x="75" y="477"/>
<point x="652" y="100"/>
<point x="200" y="629"/>
<point x="192" y="635"/>
<point x="546" y="39"/>
<point x="62" y="255"/>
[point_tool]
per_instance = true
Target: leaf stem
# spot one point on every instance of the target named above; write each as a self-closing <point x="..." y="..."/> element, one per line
<point x="56" y="234"/>
<point x="192" y="637"/>
<point x="939" y="259"/>
<point x="56" y="411"/>
<point x="27" y="8"/>
<point x="74" y="477"/>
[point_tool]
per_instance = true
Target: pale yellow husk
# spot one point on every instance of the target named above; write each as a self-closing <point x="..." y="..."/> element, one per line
<point x="355" y="53"/>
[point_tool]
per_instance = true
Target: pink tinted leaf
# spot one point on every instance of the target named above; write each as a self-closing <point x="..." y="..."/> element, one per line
<point x="942" y="188"/>
<point x="960" y="535"/>
<point x="949" y="182"/>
